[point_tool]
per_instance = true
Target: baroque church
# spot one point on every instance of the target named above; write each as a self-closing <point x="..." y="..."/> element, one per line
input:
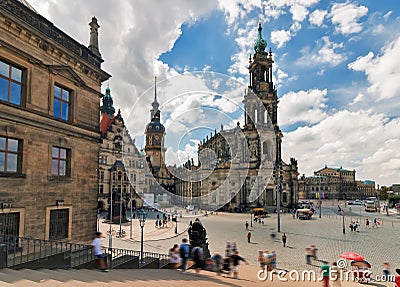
<point x="243" y="167"/>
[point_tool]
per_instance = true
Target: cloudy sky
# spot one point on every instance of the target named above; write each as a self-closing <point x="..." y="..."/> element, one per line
<point x="337" y="71"/>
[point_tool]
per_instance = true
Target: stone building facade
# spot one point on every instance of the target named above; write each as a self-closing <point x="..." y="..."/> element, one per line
<point x="366" y="188"/>
<point x="243" y="166"/>
<point x="50" y="89"/>
<point x="331" y="183"/>
<point x="122" y="167"/>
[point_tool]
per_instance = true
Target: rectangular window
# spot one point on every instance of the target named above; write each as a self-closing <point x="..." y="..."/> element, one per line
<point x="101" y="175"/>
<point x="11" y="83"/>
<point x="60" y="161"/>
<point x="59" y="224"/>
<point x="62" y="103"/>
<point x="10" y="155"/>
<point x="101" y="189"/>
<point x="9" y="224"/>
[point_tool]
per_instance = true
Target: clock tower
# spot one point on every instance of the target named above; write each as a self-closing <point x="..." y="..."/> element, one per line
<point x="155" y="133"/>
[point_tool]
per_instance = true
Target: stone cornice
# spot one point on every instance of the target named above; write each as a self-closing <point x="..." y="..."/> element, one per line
<point x="49" y="38"/>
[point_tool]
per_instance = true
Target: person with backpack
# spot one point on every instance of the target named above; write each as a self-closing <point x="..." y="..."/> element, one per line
<point x="184" y="253"/>
<point x="198" y="256"/>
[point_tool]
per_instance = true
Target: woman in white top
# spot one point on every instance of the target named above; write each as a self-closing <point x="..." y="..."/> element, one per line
<point x="174" y="257"/>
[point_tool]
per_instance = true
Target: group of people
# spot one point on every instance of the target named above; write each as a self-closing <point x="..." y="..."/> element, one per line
<point x="375" y="223"/>
<point x="267" y="260"/>
<point x="354" y="226"/>
<point x="162" y="222"/>
<point x="180" y="255"/>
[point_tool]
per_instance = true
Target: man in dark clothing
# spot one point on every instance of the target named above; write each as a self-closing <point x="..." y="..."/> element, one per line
<point x="284" y="239"/>
<point x="235" y="260"/>
<point x="248" y="237"/>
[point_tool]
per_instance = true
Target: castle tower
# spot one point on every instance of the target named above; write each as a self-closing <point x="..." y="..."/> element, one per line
<point x="155" y="133"/>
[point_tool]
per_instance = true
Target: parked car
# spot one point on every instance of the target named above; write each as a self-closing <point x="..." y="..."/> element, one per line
<point x="358" y="202"/>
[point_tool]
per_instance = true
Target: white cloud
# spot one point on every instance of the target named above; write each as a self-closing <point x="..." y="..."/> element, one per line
<point x="382" y="71"/>
<point x="302" y="107"/>
<point x="346" y="16"/>
<point x="299" y="12"/>
<point x="387" y="15"/>
<point x="358" y="140"/>
<point x="280" y="37"/>
<point x="317" y="17"/>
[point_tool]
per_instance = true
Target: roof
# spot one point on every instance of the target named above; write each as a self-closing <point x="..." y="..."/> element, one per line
<point x="105" y="122"/>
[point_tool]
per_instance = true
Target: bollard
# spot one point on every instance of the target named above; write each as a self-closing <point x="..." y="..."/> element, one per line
<point x="382" y="223"/>
<point x="392" y="223"/>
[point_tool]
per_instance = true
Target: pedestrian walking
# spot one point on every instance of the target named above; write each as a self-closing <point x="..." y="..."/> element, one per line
<point x="247" y="225"/>
<point x="308" y="255"/>
<point x="375" y="223"/>
<point x="236" y="258"/>
<point x="386" y="270"/>
<point x="198" y="257"/>
<point x="184" y="254"/>
<point x="335" y="275"/>
<point x="367" y="223"/>
<point x="248" y="237"/>
<point x="261" y="259"/>
<point x="325" y="273"/>
<point x="314" y="250"/>
<point x="174" y="257"/>
<point x="217" y="258"/>
<point x="284" y="239"/>
<point x="98" y="252"/>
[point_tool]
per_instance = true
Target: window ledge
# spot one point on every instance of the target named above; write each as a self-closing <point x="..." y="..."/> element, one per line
<point x="12" y="175"/>
<point x="59" y="178"/>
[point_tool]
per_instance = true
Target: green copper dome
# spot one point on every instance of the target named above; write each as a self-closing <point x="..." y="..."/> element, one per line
<point x="107" y="106"/>
<point x="260" y="44"/>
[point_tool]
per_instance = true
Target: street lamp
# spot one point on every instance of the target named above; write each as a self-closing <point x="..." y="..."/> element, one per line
<point x="251" y="218"/>
<point x="142" y="219"/>
<point x="344" y="229"/>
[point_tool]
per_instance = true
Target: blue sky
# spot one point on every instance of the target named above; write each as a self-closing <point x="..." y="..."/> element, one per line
<point x="336" y="70"/>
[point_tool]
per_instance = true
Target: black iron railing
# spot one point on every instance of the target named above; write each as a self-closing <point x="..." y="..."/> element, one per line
<point x="16" y="251"/>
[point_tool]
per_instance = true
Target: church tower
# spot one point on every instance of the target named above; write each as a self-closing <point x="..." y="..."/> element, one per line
<point x="155" y="133"/>
<point x="262" y="86"/>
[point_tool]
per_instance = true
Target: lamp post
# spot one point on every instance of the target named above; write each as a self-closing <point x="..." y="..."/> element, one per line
<point x="251" y="218"/>
<point x="120" y="206"/>
<point x="320" y="197"/>
<point x="130" y="231"/>
<point x="142" y="219"/>
<point x="344" y="229"/>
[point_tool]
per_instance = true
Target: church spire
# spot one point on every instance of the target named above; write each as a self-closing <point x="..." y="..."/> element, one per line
<point x="107" y="106"/>
<point x="260" y="44"/>
<point x="94" y="37"/>
<point x="155" y="104"/>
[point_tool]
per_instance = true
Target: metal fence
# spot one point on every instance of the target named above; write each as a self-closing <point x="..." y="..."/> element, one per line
<point x="16" y="251"/>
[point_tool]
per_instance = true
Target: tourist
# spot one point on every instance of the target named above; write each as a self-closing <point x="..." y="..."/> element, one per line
<point x="314" y="250"/>
<point x="375" y="223"/>
<point x="198" y="257"/>
<point x="272" y="233"/>
<point x="284" y="239"/>
<point x="325" y="273"/>
<point x="217" y="258"/>
<point x="367" y="223"/>
<point x="261" y="259"/>
<point x="308" y="255"/>
<point x="351" y="225"/>
<point x="236" y="258"/>
<point x="184" y="254"/>
<point x="248" y="237"/>
<point x="335" y="275"/>
<point x="262" y="221"/>
<point x="273" y="260"/>
<point x="98" y="252"/>
<point x="174" y="257"/>
<point x="386" y="270"/>
<point x="247" y="225"/>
